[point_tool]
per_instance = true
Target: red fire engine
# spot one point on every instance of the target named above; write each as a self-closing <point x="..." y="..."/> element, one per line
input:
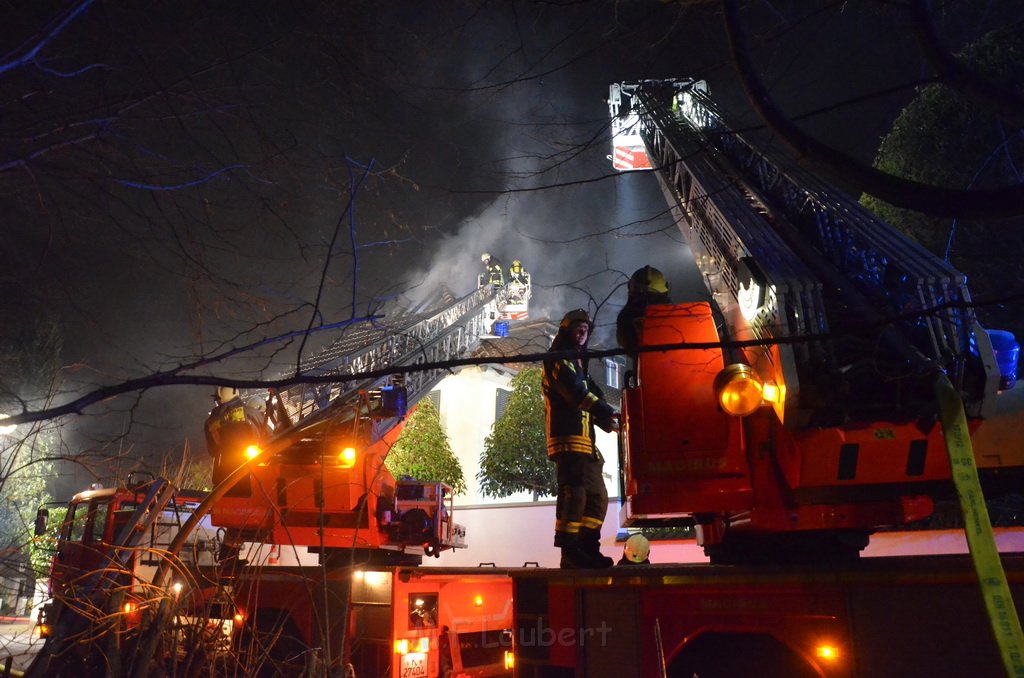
<point x="818" y="395"/>
<point x="797" y="408"/>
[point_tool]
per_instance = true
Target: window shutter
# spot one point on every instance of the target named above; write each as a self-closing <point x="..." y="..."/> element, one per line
<point x="501" y="397"/>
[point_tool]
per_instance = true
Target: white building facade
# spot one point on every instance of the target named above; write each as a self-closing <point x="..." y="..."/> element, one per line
<point x="514" y="530"/>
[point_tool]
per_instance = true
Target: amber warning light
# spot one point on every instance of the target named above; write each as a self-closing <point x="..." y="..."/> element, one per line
<point x="740" y="392"/>
<point x="347" y="457"/>
<point x="404" y="646"/>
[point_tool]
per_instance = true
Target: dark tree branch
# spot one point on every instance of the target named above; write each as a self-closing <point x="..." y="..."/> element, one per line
<point x="914" y="195"/>
<point x="349" y="211"/>
<point x="174" y="377"/>
<point x="31" y="54"/>
<point x="952" y="72"/>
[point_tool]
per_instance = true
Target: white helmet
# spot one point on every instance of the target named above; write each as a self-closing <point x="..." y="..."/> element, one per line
<point x="226" y="393"/>
<point x="637" y="548"/>
<point x="484" y="257"/>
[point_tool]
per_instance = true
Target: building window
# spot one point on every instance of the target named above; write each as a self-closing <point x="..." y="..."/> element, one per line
<point x="501" y="397"/>
<point x="612" y="372"/>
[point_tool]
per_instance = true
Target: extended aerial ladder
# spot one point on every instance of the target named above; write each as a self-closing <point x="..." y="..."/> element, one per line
<point x="833" y="325"/>
<point x="322" y="483"/>
<point x="406" y="340"/>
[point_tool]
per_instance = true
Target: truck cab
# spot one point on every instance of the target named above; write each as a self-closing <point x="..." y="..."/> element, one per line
<point x="110" y="544"/>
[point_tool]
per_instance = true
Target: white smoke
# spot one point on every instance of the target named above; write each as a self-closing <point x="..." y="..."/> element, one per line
<point x="579" y="244"/>
<point x="545" y="141"/>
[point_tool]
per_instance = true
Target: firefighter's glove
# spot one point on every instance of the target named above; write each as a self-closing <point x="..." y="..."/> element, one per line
<point x="611" y="424"/>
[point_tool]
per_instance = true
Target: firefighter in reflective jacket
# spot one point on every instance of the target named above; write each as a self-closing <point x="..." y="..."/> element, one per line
<point x="647" y="286"/>
<point x="517" y="275"/>
<point x="231" y="428"/>
<point x="494" y="274"/>
<point x="573" y="405"/>
<point x="518" y="283"/>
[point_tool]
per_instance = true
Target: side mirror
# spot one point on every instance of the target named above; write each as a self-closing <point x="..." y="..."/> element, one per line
<point x="41" y="517"/>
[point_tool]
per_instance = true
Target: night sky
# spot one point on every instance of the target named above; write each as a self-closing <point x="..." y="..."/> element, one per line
<point x="180" y="178"/>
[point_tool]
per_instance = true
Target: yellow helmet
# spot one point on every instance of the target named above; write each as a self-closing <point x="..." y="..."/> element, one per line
<point x="637" y="548"/>
<point x="578" y="315"/>
<point x="650" y="279"/>
<point x="226" y="393"/>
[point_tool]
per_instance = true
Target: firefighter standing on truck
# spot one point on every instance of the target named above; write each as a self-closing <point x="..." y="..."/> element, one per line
<point x="231" y="429"/>
<point x="647" y="286"/>
<point x="573" y="404"/>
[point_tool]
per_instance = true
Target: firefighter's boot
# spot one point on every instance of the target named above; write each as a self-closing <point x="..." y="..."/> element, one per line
<point x="573" y="556"/>
<point x="590" y="544"/>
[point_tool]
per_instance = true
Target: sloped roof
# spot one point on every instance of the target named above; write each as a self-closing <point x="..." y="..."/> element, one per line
<point x="523" y="338"/>
<point x="533" y="337"/>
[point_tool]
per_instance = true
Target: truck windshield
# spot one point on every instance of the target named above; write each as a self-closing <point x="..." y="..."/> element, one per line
<point x="88" y="521"/>
<point x="122" y="516"/>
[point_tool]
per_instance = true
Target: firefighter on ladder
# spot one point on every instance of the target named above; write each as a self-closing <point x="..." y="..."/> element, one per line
<point x="517" y="275"/>
<point x="518" y="283"/>
<point x="574" y="404"/>
<point x="494" y="274"/>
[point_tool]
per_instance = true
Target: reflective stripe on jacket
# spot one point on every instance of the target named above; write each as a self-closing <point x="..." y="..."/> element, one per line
<point x="572" y="405"/>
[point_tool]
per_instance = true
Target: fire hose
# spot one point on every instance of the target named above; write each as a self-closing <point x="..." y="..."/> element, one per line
<point x="980" y="541"/>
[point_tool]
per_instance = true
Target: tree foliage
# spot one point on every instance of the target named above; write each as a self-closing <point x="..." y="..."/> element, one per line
<point x="515" y="457"/>
<point x="44" y="546"/>
<point x="947" y="138"/>
<point x="981" y="203"/>
<point x="29" y="364"/>
<point x="423" y="451"/>
<point x="27" y="470"/>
